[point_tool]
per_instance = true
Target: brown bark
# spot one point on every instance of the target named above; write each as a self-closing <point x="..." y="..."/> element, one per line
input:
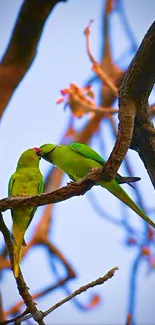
<point x="22" y="47"/>
<point x="136" y="130"/>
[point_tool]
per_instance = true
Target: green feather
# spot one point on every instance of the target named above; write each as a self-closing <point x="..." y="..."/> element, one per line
<point x="77" y="159"/>
<point x="87" y="152"/>
<point x="27" y="180"/>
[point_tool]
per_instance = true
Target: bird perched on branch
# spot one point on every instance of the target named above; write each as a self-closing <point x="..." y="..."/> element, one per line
<point x="27" y="180"/>
<point x="77" y="159"/>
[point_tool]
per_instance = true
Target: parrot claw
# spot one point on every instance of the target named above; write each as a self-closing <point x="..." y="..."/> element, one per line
<point x="92" y="169"/>
<point x="71" y="182"/>
<point x="79" y="182"/>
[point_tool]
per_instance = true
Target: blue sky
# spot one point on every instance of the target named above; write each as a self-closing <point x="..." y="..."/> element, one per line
<point x="92" y="244"/>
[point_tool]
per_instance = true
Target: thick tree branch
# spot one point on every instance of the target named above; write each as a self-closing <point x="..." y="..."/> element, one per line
<point x="62" y="194"/>
<point x="133" y="114"/>
<point x="22" y="47"/>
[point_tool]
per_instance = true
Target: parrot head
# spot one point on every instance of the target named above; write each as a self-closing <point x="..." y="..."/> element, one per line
<point x="45" y="150"/>
<point x="29" y="158"/>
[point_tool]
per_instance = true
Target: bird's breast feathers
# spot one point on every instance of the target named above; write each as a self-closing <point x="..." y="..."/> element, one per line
<point x="25" y="183"/>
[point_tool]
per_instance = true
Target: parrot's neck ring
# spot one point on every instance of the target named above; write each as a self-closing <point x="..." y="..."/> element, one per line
<point x="48" y="153"/>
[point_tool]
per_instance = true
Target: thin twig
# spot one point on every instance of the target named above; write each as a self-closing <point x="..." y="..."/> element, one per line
<point x="82" y="289"/>
<point x="97" y="67"/>
<point x="37" y="295"/>
<point x="15" y="319"/>
<point x="129" y="319"/>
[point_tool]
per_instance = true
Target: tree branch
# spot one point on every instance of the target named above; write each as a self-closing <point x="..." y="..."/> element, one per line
<point x="37" y="295"/>
<point x="15" y="319"/>
<point x="82" y="289"/>
<point x="62" y="194"/>
<point x="22" y="47"/>
<point x="133" y="114"/>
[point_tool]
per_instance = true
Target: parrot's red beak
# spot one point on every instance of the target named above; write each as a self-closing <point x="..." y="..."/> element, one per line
<point x="37" y="150"/>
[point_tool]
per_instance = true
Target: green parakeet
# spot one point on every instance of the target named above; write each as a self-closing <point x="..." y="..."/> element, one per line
<point x="77" y="159"/>
<point x="27" y="180"/>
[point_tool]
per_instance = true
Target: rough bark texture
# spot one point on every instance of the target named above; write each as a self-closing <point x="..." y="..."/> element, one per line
<point x="64" y="193"/>
<point x="135" y="127"/>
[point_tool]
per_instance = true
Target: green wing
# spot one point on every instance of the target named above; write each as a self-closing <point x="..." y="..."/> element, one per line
<point x="87" y="152"/>
<point x="10" y="185"/>
<point x="41" y="187"/>
<point x="40" y="190"/>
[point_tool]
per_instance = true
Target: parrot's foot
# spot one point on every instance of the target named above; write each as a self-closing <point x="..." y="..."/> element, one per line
<point x="93" y="169"/>
<point x="71" y="182"/>
<point x="79" y="182"/>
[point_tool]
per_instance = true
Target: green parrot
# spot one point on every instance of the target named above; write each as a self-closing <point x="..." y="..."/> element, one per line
<point x="77" y="159"/>
<point x="27" y="180"/>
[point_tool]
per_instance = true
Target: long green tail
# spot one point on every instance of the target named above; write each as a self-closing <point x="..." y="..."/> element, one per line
<point x="118" y="191"/>
<point x="18" y="236"/>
